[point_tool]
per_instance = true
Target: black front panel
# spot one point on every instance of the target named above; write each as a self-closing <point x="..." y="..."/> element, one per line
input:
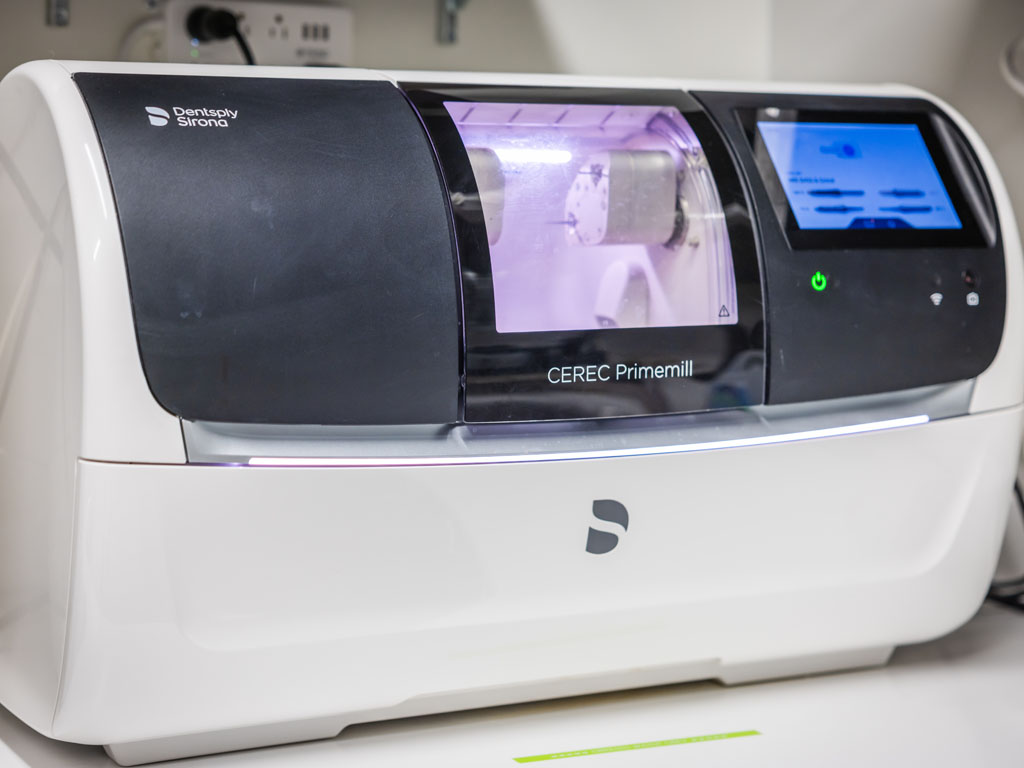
<point x="288" y="246"/>
<point x="527" y="356"/>
<point x="857" y="309"/>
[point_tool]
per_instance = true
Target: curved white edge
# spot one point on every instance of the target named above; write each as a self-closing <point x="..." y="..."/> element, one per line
<point x="121" y="421"/>
<point x="40" y="402"/>
<point x="432" y="461"/>
<point x="654" y="83"/>
<point x="220" y="70"/>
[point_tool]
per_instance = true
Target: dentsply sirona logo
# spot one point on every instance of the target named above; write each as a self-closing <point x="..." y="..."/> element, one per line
<point x="610" y="511"/>
<point x="158" y="116"/>
<point x="192" y="117"/>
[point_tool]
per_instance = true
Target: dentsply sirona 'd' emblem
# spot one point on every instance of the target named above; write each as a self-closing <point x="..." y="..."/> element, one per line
<point x="610" y="511"/>
<point x="157" y="116"/>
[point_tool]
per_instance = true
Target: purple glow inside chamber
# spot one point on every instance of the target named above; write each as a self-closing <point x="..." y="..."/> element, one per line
<point x="598" y="216"/>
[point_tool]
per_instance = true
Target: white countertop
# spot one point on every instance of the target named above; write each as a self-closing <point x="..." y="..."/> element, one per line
<point x="958" y="701"/>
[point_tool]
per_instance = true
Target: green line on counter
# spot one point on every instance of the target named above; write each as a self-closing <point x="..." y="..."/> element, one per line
<point x="638" y="745"/>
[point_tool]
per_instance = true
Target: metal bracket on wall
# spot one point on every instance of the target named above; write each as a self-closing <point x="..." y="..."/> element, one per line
<point x="58" y="13"/>
<point x="447" y="18"/>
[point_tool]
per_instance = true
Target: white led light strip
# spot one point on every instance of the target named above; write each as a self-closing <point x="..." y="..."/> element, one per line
<point x="434" y="461"/>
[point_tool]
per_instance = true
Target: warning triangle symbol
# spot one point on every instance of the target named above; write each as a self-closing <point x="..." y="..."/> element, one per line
<point x="723" y="312"/>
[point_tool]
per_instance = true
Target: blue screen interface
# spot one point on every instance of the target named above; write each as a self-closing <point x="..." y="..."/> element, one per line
<point x="858" y="176"/>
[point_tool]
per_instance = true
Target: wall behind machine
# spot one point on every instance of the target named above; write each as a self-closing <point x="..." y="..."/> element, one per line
<point x="667" y="38"/>
<point x="949" y="47"/>
<point x="642" y="37"/>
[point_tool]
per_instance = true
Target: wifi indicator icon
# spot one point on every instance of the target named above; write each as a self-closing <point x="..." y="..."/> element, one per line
<point x="936" y="298"/>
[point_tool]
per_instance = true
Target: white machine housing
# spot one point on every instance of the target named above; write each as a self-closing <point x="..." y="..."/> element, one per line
<point x="165" y="590"/>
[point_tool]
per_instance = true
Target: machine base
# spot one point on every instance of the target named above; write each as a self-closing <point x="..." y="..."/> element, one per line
<point x="191" y="745"/>
<point x="756" y="671"/>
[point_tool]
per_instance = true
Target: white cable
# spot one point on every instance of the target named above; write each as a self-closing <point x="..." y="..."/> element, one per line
<point x="1008" y="68"/>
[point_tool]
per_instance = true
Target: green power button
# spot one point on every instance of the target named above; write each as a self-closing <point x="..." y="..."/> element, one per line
<point x="818" y="281"/>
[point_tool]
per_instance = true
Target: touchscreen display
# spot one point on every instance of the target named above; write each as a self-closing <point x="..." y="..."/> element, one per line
<point x="858" y="176"/>
<point x="597" y="217"/>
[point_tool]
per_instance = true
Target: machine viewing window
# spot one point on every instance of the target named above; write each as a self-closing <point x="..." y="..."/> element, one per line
<point x="597" y="217"/>
<point x="858" y="176"/>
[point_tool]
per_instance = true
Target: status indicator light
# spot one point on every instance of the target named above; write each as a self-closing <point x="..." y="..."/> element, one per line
<point x="818" y="281"/>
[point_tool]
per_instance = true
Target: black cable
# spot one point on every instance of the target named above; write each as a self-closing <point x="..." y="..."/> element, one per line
<point x="246" y="50"/>
<point x="1011" y="593"/>
<point x="205" y="24"/>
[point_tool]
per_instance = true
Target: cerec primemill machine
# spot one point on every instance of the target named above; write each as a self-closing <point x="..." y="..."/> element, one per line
<point x="329" y="396"/>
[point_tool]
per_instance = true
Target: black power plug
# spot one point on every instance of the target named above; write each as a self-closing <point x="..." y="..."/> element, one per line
<point x="206" y="24"/>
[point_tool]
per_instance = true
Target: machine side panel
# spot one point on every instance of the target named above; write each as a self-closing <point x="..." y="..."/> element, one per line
<point x="40" y="401"/>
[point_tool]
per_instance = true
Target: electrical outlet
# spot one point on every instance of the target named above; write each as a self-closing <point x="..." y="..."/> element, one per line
<point x="278" y="33"/>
